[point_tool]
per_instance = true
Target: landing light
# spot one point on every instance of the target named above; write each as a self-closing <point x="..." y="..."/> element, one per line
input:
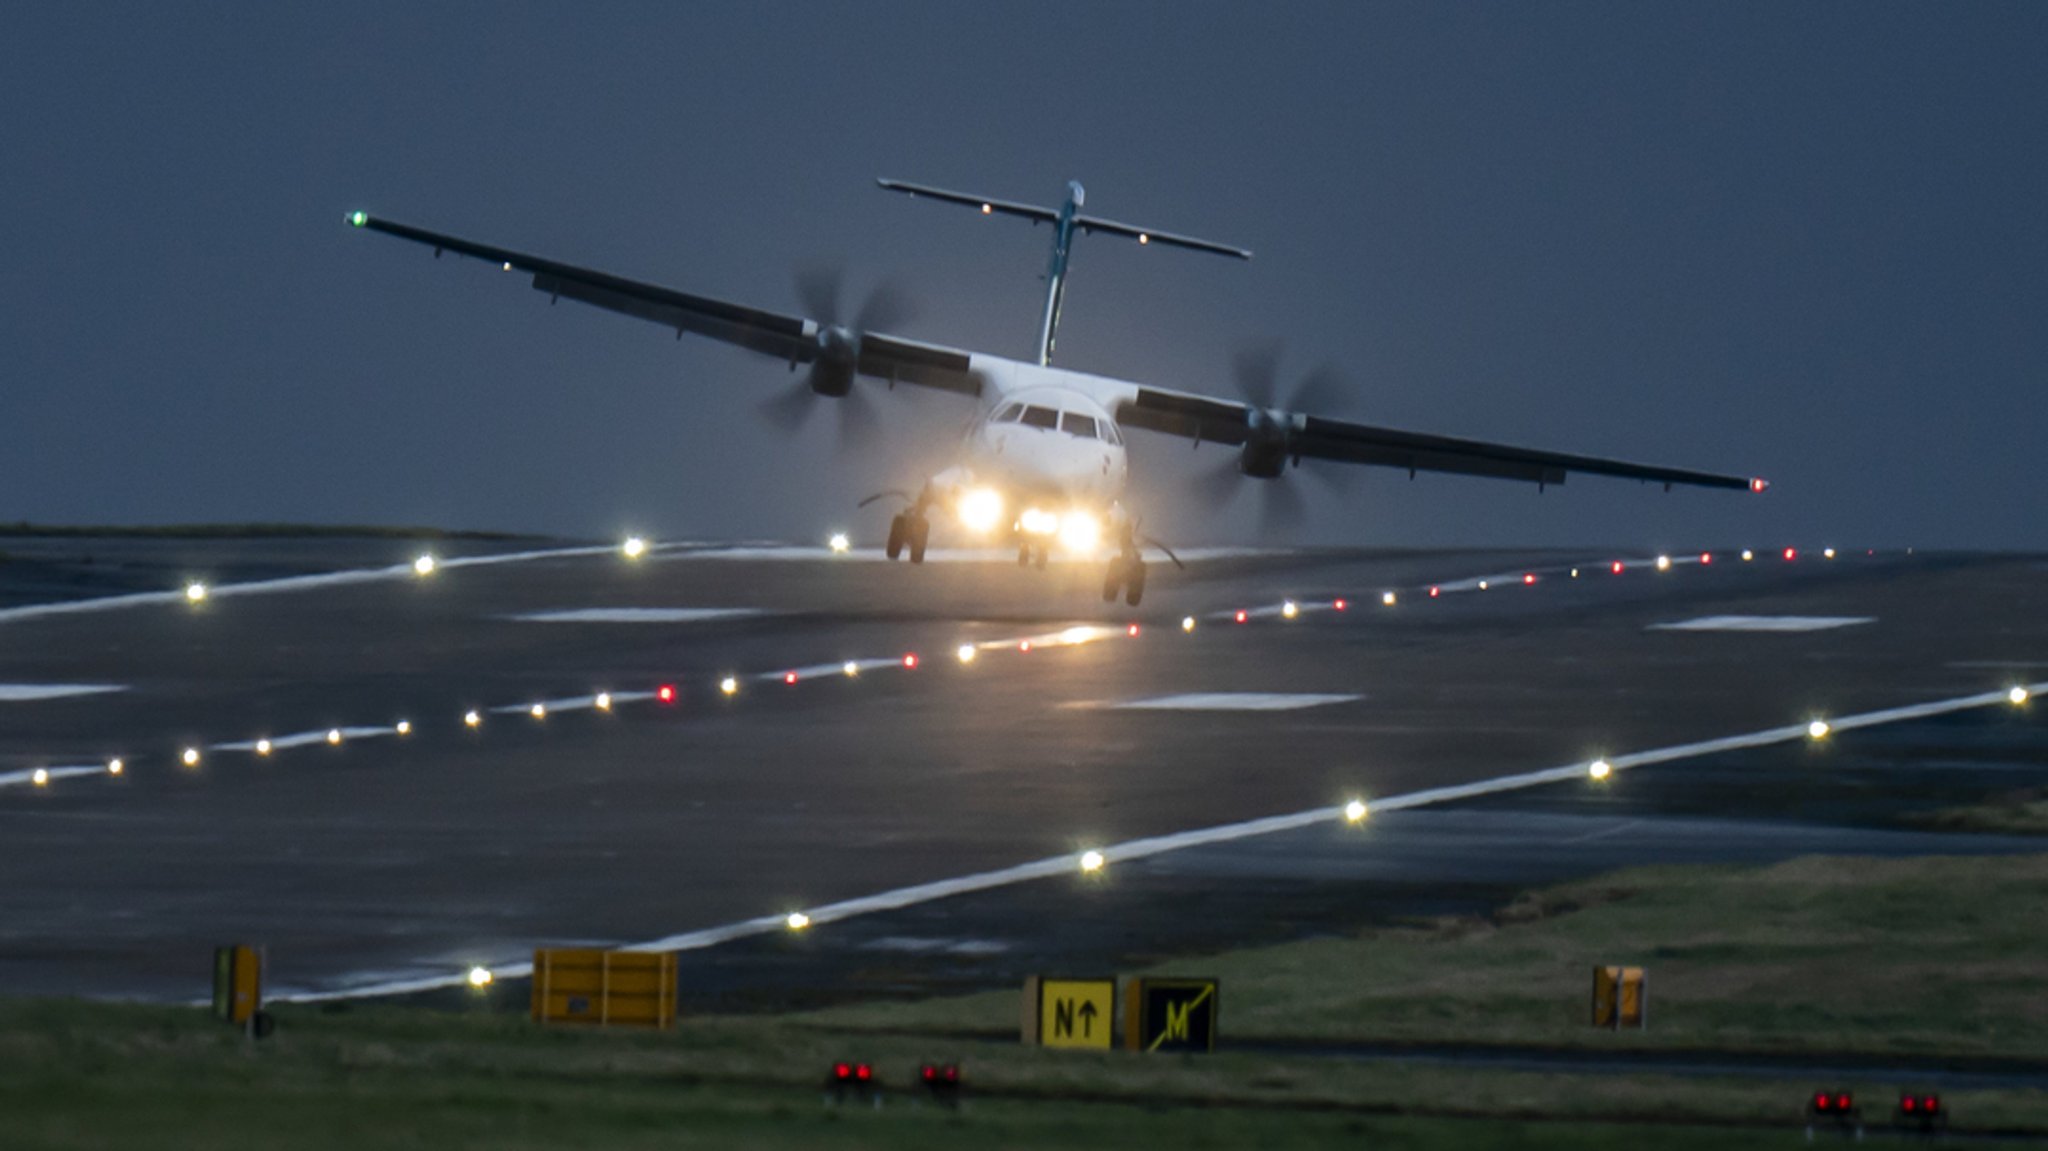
<point x="1038" y="522"/>
<point x="1818" y="729"/>
<point x="190" y="758"/>
<point x="729" y="685"/>
<point x="116" y="767"/>
<point x="2017" y="696"/>
<point x="796" y="921"/>
<point x="633" y="548"/>
<point x="358" y="219"/>
<point x="1092" y="861"/>
<point x="1080" y="532"/>
<point x="981" y="509"/>
<point x="839" y="544"/>
<point x="1600" y="769"/>
<point x="480" y="977"/>
<point x="1354" y="812"/>
<point x="195" y="592"/>
<point x="472" y="719"/>
<point x="1187" y="623"/>
<point x="423" y="565"/>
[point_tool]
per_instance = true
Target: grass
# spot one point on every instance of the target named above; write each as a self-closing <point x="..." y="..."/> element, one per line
<point x="26" y="530"/>
<point x="1898" y="957"/>
<point x="1914" y="957"/>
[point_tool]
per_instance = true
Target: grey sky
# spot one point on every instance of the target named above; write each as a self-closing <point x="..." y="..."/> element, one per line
<point x="1804" y="241"/>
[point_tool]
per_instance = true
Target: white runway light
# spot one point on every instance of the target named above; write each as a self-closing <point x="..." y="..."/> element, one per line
<point x="966" y="653"/>
<point x="633" y="548"/>
<point x="479" y="977"/>
<point x="1187" y="623"/>
<point x="1747" y="555"/>
<point x="729" y="685"/>
<point x="1663" y="563"/>
<point x="2017" y="696"/>
<point x="472" y="719"/>
<point x="1355" y="811"/>
<point x="851" y="668"/>
<point x="116" y="767"/>
<point x="1092" y="861"/>
<point x="1818" y="729"/>
<point x="263" y="747"/>
<point x="603" y="702"/>
<point x="423" y="565"/>
<point x="41" y="778"/>
<point x="195" y="592"/>
<point x="1387" y="598"/>
<point x="1600" y="769"/>
<point x="797" y="921"/>
<point x="1290" y="609"/>
<point x="334" y="737"/>
<point x="403" y="727"/>
<point x="538" y="711"/>
<point x="190" y="757"/>
<point x="839" y="544"/>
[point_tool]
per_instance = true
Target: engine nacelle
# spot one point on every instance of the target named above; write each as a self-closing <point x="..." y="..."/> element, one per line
<point x="1263" y="459"/>
<point x="832" y="377"/>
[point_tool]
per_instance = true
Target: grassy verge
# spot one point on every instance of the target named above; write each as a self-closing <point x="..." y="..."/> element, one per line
<point x="1900" y="957"/>
<point x="1908" y="958"/>
<point x="2023" y="812"/>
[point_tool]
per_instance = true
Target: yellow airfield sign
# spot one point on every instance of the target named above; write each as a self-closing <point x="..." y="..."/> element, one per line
<point x="1069" y="1012"/>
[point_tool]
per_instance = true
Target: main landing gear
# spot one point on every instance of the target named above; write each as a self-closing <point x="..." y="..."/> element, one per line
<point x="909" y="529"/>
<point x="1126" y="574"/>
<point x="1027" y="551"/>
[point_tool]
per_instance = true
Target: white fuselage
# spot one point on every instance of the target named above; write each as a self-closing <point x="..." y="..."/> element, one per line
<point x="1043" y="457"/>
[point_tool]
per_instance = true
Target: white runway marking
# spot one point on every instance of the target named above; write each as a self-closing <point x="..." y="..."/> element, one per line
<point x="636" y="615"/>
<point x="28" y="692"/>
<point x="53" y="774"/>
<point x="1775" y="623"/>
<point x="793" y="552"/>
<point x="1227" y="701"/>
<point x="1140" y="848"/>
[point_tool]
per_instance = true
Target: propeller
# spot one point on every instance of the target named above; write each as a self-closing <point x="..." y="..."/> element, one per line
<point x="1256" y="371"/>
<point x="818" y="290"/>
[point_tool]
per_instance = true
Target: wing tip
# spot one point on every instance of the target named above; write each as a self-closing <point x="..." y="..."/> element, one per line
<point x="1759" y="484"/>
<point x="357" y="219"/>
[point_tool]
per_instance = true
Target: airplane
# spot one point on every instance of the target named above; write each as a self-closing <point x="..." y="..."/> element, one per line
<point x="1044" y="461"/>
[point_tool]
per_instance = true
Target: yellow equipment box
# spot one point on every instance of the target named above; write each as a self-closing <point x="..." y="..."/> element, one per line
<point x="1621" y="998"/>
<point x="606" y="988"/>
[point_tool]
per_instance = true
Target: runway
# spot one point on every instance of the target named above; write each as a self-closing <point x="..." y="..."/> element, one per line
<point x="384" y="858"/>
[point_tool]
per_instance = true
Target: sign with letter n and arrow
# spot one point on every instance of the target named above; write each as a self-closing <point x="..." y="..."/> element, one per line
<point x="1069" y="1012"/>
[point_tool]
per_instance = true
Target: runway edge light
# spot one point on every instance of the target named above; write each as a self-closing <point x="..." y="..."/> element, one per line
<point x="1355" y="811"/>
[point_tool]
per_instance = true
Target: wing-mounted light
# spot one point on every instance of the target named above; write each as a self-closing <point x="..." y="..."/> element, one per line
<point x="1758" y="485"/>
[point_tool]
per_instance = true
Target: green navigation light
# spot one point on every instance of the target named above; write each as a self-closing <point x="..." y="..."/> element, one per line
<point x="358" y="218"/>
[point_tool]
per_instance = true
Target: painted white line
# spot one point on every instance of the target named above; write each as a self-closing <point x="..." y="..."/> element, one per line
<point x="640" y="615"/>
<point x="29" y="692"/>
<point x="398" y="571"/>
<point x="795" y="552"/>
<point x="1766" y="623"/>
<point x="306" y="738"/>
<point x="52" y="774"/>
<point x="1224" y="701"/>
<point x="1158" y="845"/>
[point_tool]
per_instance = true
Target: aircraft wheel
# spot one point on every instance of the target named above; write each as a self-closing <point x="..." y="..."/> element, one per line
<point x="897" y="534"/>
<point x="920" y="530"/>
<point x="1134" y="589"/>
<point x="1023" y="553"/>
<point x="1044" y="553"/>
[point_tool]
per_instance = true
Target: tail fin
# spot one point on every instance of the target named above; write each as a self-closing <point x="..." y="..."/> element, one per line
<point x="1065" y="219"/>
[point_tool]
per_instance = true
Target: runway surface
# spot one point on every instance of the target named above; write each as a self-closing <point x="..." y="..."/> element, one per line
<point x="388" y="859"/>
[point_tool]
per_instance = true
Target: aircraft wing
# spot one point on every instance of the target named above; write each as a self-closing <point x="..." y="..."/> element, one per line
<point x="791" y="339"/>
<point x="1299" y="436"/>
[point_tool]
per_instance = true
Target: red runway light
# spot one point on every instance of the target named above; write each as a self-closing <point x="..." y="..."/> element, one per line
<point x="1617" y="567"/>
<point x="1024" y="646"/>
<point x="1340" y="605"/>
<point x="863" y="1073"/>
<point x="1132" y="631"/>
<point x="1435" y="592"/>
<point x="1240" y="616"/>
<point x="789" y="677"/>
<point x="1706" y="557"/>
<point x="1791" y="554"/>
<point x="910" y="660"/>
<point x="842" y="1071"/>
<point x="666" y="693"/>
<point x="1529" y="577"/>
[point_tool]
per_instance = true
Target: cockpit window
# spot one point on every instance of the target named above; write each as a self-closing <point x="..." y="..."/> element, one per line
<point x="1109" y="433"/>
<point x="1076" y="424"/>
<point x="1008" y="414"/>
<point x="1037" y="417"/>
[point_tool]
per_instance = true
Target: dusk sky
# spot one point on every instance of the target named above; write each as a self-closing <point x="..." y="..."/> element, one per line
<point x="1802" y="241"/>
